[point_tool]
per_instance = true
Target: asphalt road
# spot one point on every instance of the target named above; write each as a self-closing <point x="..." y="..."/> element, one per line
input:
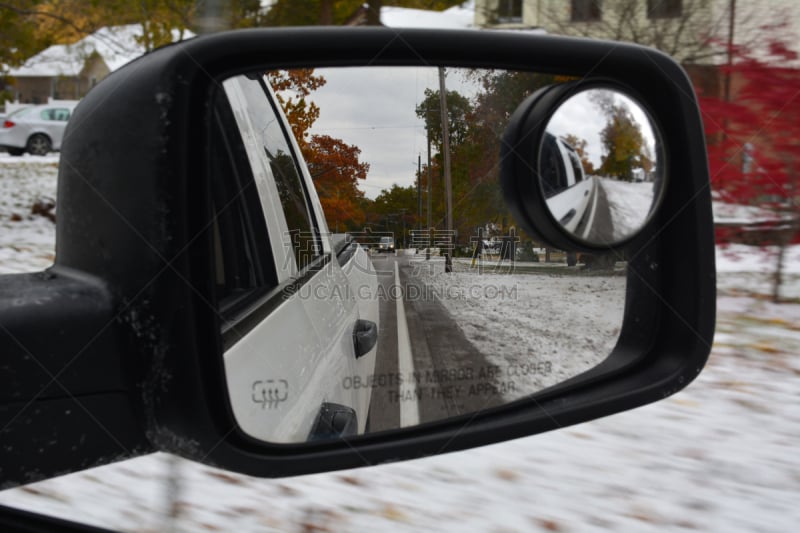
<point x="597" y="224"/>
<point x="426" y="369"/>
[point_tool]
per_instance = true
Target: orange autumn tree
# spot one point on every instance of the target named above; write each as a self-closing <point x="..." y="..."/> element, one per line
<point x="334" y="165"/>
<point x="292" y="88"/>
<point x="580" y="148"/>
<point x="336" y="169"/>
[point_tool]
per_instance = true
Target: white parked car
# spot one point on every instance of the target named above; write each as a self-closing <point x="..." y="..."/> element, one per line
<point x="37" y="129"/>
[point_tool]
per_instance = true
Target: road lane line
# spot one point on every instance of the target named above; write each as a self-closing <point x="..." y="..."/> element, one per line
<point x="409" y="404"/>
<point x="589" y="223"/>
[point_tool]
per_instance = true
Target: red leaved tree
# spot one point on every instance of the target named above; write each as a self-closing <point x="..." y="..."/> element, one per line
<point x="334" y="165"/>
<point x="335" y="169"/>
<point x="754" y="148"/>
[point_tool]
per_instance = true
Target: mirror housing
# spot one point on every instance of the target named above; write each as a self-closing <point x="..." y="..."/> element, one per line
<point x="133" y="251"/>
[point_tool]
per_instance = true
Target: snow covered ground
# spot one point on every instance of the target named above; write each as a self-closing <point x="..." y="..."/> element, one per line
<point x="730" y="213"/>
<point x="27" y="241"/>
<point x="557" y="324"/>
<point x="749" y="270"/>
<point x="719" y="456"/>
<point x="629" y="204"/>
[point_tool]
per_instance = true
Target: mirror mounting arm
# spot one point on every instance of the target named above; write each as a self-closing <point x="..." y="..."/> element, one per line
<point x="68" y="396"/>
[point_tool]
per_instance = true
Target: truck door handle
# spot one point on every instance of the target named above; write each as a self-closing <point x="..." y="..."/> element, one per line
<point x="334" y="421"/>
<point x="365" y="336"/>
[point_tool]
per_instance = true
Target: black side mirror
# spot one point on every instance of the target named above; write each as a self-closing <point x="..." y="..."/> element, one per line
<point x="149" y="333"/>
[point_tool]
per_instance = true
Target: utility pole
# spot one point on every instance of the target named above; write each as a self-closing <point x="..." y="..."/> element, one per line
<point x="447" y="181"/>
<point x="419" y="192"/>
<point x="430" y="197"/>
<point x="403" y="220"/>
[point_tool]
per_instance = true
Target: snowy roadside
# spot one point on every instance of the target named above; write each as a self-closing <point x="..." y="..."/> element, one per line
<point x="540" y="328"/>
<point x="27" y="241"/>
<point x="629" y="204"/>
<point x="749" y="271"/>
<point x="719" y="456"/>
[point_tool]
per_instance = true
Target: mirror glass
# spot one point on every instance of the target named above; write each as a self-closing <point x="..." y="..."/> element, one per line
<point x="601" y="166"/>
<point x="371" y="302"/>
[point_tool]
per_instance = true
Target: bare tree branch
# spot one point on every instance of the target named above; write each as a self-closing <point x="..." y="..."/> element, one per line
<point x="37" y="13"/>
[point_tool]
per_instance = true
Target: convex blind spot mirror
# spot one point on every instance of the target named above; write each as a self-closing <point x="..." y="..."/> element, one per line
<point x="600" y="166"/>
<point x="595" y="160"/>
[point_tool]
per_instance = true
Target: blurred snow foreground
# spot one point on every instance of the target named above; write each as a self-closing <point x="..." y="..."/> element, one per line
<point x="718" y="456"/>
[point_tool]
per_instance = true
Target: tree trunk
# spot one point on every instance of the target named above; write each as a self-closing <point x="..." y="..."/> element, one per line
<point x="326" y="13"/>
<point x="777" y="276"/>
<point x="785" y="238"/>
<point x="374" y="12"/>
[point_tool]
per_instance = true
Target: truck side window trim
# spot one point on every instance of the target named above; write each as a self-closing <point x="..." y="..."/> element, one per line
<point x="291" y="223"/>
<point x="249" y="318"/>
<point x="244" y="266"/>
<point x="298" y="168"/>
<point x="241" y="315"/>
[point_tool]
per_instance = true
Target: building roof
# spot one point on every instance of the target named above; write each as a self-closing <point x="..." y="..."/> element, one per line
<point x="456" y="17"/>
<point x="116" y="45"/>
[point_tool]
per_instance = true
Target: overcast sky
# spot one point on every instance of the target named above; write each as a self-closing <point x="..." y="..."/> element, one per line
<point x="373" y="108"/>
<point x="581" y="117"/>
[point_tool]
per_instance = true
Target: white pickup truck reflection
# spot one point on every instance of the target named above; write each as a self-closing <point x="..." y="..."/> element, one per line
<point x="567" y="188"/>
